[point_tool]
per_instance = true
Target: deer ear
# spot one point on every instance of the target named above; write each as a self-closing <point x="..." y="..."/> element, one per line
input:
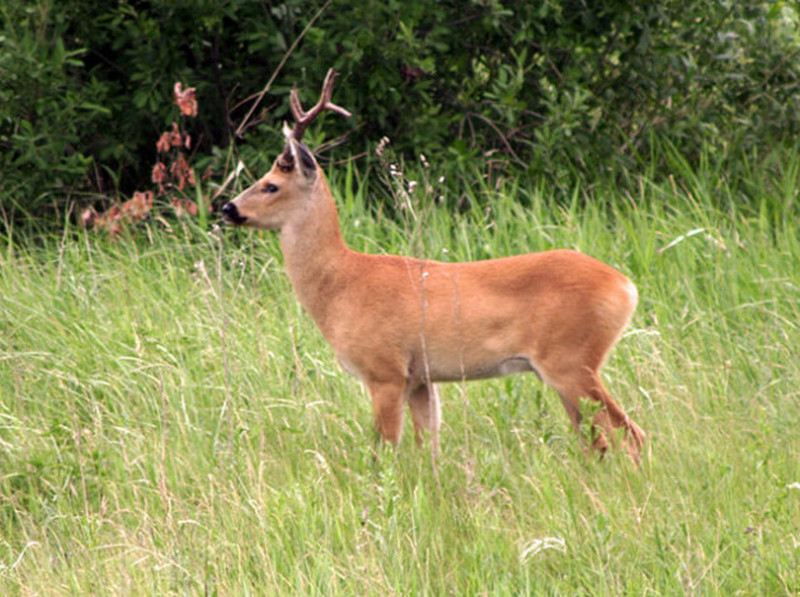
<point x="286" y="160"/>
<point x="301" y="158"/>
<point x="296" y="154"/>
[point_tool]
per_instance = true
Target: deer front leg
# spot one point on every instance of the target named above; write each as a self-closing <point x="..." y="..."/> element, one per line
<point x="387" y="407"/>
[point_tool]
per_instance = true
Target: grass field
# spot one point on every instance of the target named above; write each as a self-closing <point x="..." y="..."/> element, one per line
<point x="172" y="423"/>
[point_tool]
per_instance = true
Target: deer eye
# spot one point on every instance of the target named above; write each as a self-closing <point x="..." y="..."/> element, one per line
<point x="270" y="188"/>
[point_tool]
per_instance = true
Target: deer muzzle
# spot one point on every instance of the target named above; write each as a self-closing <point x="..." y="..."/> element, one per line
<point x="231" y="214"/>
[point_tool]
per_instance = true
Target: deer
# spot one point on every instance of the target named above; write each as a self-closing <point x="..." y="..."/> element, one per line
<point x="402" y="324"/>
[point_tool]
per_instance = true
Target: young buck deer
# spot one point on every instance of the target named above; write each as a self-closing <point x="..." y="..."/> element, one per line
<point x="400" y="324"/>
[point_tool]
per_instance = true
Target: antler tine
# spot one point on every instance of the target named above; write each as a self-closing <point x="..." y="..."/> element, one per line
<point x="304" y="118"/>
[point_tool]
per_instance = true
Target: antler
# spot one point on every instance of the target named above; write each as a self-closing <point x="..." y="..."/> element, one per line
<point x="304" y="118"/>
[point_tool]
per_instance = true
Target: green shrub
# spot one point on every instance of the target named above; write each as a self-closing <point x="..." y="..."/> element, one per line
<point x="564" y="90"/>
<point x="48" y="119"/>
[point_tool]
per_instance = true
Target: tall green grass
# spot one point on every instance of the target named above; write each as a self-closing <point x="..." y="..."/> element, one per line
<point x="172" y="423"/>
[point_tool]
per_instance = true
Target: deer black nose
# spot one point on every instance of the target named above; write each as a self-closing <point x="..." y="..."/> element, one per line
<point x="232" y="215"/>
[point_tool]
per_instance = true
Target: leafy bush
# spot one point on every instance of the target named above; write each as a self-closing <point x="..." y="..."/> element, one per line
<point x="566" y="91"/>
<point x="47" y="116"/>
<point x="567" y="88"/>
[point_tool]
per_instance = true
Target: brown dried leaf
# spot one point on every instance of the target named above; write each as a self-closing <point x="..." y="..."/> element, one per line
<point x="185" y="100"/>
<point x="184" y="206"/>
<point x="139" y="205"/>
<point x="163" y="145"/>
<point x="159" y="175"/>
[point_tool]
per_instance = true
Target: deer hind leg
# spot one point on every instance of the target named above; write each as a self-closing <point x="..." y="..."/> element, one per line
<point x="614" y="417"/>
<point x="606" y="420"/>
<point x="387" y="407"/>
<point x="426" y="413"/>
<point x="570" y="398"/>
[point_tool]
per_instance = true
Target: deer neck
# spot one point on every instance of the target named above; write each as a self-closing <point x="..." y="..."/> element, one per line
<point x="315" y="253"/>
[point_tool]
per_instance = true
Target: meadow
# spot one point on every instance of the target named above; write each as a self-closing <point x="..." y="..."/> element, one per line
<point x="171" y="422"/>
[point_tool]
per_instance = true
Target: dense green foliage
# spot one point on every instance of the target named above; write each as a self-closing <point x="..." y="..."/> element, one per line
<point x="172" y="423"/>
<point x="561" y="89"/>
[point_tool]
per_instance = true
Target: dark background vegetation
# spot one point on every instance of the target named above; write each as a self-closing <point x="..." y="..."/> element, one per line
<point x="565" y="92"/>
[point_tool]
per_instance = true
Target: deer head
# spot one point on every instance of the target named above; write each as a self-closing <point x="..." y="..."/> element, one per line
<point x="289" y="184"/>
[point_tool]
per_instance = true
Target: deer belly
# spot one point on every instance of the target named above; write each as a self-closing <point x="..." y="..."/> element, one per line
<point x="440" y="371"/>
